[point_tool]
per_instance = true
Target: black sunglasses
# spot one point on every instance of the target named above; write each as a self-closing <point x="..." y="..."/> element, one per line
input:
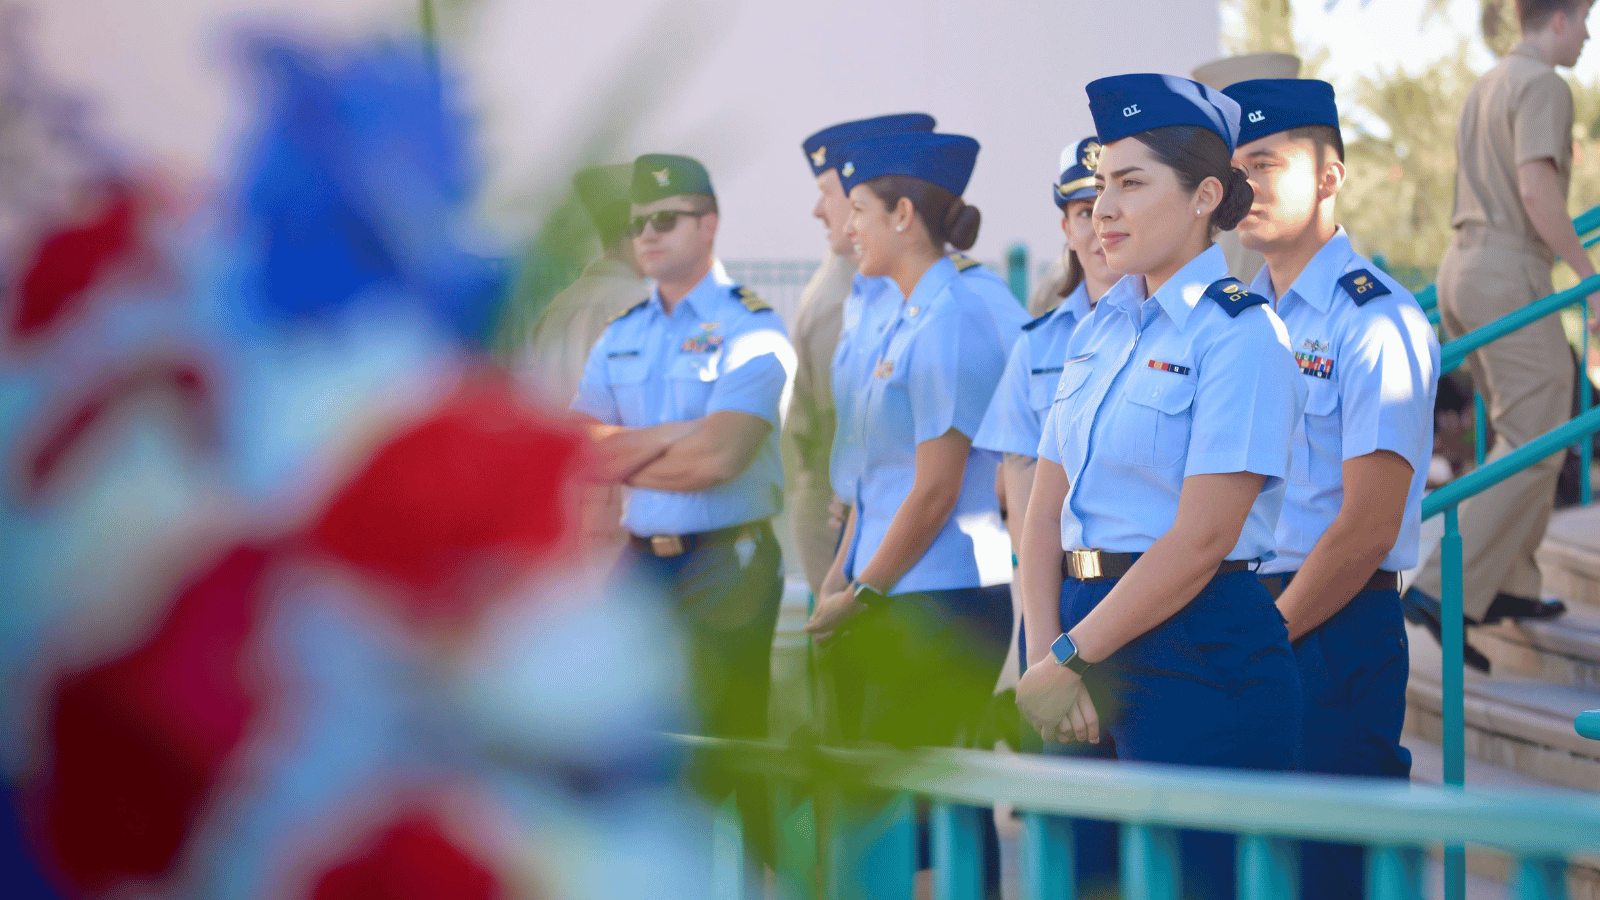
<point x="664" y="221"/>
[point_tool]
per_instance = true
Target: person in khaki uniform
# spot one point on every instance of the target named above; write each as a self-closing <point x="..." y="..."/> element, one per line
<point x="807" y="438"/>
<point x="1514" y="161"/>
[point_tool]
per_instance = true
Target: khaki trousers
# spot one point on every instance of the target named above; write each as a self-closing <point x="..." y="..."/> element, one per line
<point x="1526" y="382"/>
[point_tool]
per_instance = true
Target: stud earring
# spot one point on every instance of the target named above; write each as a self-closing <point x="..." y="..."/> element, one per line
<point x="899" y="228"/>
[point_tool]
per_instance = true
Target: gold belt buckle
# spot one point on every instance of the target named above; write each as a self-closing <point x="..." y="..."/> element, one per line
<point x="666" y="545"/>
<point x="1085" y="564"/>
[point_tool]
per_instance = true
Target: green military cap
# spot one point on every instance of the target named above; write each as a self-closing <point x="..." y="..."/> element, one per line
<point x="660" y="175"/>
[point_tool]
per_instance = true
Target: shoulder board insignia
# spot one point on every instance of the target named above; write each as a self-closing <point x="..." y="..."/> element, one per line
<point x="750" y="300"/>
<point x="624" y="314"/>
<point x="1362" y="286"/>
<point x="963" y="262"/>
<point x="1039" y="321"/>
<point x="1233" y="297"/>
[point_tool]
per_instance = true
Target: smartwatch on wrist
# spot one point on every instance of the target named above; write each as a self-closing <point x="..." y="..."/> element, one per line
<point x="868" y="595"/>
<point x="1066" y="654"/>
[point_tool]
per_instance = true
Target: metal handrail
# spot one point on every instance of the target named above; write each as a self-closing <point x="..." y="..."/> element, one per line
<point x="1268" y="812"/>
<point x="1491" y="474"/>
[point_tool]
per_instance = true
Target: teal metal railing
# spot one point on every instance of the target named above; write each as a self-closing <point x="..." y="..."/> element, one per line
<point x="1446" y="500"/>
<point x="875" y="855"/>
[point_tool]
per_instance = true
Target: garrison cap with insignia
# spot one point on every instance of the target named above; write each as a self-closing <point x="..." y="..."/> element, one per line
<point x="822" y="149"/>
<point x="1128" y="104"/>
<point x="1271" y="105"/>
<point x="603" y="191"/>
<point x="1078" y="163"/>
<point x="660" y="175"/>
<point x="1362" y="286"/>
<point x="1232" y="296"/>
<point x="943" y="160"/>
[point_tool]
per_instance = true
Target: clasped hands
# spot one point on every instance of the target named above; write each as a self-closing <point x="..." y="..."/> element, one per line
<point x="1053" y="700"/>
<point x="833" y="610"/>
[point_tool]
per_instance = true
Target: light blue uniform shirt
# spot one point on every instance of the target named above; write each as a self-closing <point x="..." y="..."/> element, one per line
<point x="872" y="303"/>
<point x="1012" y="424"/>
<point x="1155" y="390"/>
<point x="1371" y="371"/>
<point x="711" y="353"/>
<point x="935" y="368"/>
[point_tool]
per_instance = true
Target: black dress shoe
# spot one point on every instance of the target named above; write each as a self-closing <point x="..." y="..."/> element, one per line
<point x="1523" y="609"/>
<point x="1421" y="609"/>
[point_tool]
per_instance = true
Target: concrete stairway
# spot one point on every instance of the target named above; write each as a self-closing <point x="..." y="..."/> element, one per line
<point x="1519" y="733"/>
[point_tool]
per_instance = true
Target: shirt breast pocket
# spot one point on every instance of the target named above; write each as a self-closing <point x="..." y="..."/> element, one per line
<point x="625" y="375"/>
<point x="1042" y="391"/>
<point x="1152" y="428"/>
<point x="1319" y="448"/>
<point x="690" y="380"/>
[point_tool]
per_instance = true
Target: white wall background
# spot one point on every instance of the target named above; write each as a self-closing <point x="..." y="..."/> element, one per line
<point x="737" y="84"/>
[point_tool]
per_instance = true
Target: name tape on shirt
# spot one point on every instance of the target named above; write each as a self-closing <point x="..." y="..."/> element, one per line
<point x="1168" y="367"/>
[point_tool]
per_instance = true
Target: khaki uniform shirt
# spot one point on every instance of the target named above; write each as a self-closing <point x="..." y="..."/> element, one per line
<point x="808" y="430"/>
<point x="1518" y="112"/>
<point x="552" y="362"/>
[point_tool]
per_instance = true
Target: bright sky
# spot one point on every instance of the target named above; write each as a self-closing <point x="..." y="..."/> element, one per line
<point x="1366" y="37"/>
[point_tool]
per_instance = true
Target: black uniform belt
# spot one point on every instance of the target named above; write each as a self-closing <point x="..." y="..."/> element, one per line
<point x="1098" y="565"/>
<point x="669" y="545"/>
<point x="1381" y="580"/>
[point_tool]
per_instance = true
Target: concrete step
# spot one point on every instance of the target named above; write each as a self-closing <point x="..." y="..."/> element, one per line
<point x="1513" y="722"/>
<point x="1565" y="651"/>
<point x="1488" y="871"/>
<point x="1569" y="558"/>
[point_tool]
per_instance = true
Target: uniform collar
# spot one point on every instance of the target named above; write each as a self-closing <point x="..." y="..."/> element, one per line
<point x="932" y="281"/>
<point x="1182" y="292"/>
<point x="1314" y="285"/>
<point x="1523" y="49"/>
<point x="704" y="297"/>
<point x="1076" y="303"/>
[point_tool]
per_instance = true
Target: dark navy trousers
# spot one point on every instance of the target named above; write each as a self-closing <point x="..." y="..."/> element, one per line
<point x="1215" y="685"/>
<point x="1353" y="669"/>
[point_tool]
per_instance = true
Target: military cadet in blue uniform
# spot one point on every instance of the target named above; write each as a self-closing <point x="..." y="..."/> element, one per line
<point x="686" y="391"/>
<point x="1011" y="425"/>
<point x="1161" y="472"/>
<point x="1353" y="506"/>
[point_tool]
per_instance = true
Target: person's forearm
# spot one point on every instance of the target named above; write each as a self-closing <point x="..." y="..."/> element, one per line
<point x="836" y="580"/>
<point x="1162" y="582"/>
<point x="708" y="455"/>
<point x="624" y="451"/>
<point x="911" y="532"/>
<point x="1547" y="210"/>
<point x="1342" y="561"/>
<point x="1040" y="570"/>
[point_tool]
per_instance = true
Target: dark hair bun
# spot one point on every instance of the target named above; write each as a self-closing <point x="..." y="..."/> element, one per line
<point x="1237" y="197"/>
<point x="961" y="224"/>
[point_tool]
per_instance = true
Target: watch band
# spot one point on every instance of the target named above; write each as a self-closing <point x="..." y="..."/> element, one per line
<point x="868" y="595"/>
<point x="1066" y="654"/>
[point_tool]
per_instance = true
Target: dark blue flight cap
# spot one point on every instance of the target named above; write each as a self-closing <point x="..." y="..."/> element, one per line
<point x="944" y="160"/>
<point x="822" y="149"/>
<point x="1271" y="105"/>
<point x="1128" y="104"/>
<point x="1078" y="163"/>
<point x="660" y="175"/>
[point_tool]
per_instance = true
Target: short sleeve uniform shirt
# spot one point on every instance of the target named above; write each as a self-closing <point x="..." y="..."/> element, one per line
<point x="1155" y="390"/>
<point x="1370" y="364"/>
<point x="717" y="350"/>
<point x="1028" y="386"/>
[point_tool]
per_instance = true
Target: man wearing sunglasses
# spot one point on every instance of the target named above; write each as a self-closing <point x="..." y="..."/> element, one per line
<point x="685" y="394"/>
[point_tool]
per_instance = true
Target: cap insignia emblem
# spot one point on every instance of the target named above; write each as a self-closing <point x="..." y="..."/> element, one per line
<point x="819" y="156"/>
<point x="1257" y="116"/>
<point x="1129" y="112"/>
<point x="1091" y="155"/>
<point x="662" y="177"/>
<point x="848" y="170"/>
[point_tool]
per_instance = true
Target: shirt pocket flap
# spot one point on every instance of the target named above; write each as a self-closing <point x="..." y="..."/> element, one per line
<point x="630" y="369"/>
<point x="1165" y="392"/>
<point x="1042" y="389"/>
<point x="1074" y="372"/>
<point x="1322" y="397"/>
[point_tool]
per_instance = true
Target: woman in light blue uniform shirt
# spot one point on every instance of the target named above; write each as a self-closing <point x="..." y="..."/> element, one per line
<point x="1011" y="426"/>
<point x="919" y="588"/>
<point x="1160" y="476"/>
